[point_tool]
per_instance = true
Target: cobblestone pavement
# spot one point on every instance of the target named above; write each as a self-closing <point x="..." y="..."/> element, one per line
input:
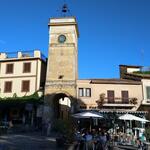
<point x="32" y="141"/>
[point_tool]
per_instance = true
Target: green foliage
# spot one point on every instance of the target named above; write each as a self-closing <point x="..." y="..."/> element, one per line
<point x="147" y="133"/>
<point x="133" y="100"/>
<point x="141" y="72"/>
<point x="14" y="95"/>
<point x="34" y="98"/>
<point x="101" y="100"/>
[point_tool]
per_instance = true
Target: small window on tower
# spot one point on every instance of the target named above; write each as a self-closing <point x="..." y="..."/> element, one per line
<point x="60" y="76"/>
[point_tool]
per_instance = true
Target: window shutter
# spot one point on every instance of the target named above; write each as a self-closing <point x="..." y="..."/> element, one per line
<point x="9" y="68"/>
<point x="26" y="86"/>
<point x="8" y="87"/>
<point x="111" y="96"/>
<point x="125" y="97"/>
<point x="27" y="67"/>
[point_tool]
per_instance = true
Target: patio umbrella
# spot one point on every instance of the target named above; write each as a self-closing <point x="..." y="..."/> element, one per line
<point x="89" y="115"/>
<point x="132" y="117"/>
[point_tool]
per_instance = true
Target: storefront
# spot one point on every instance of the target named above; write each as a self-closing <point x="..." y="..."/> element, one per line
<point x="20" y="111"/>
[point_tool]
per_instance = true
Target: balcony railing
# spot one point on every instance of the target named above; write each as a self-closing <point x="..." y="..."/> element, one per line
<point x="23" y="54"/>
<point x="143" y="70"/>
<point x="117" y="100"/>
<point x="29" y="53"/>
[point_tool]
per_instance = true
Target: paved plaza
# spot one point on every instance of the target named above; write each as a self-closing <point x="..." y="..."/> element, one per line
<point x="30" y="141"/>
<point x="35" y="141"/>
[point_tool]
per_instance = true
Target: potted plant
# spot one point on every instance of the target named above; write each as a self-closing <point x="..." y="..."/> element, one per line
<point x="101" y="100"/>
<point x="133" y="100"/>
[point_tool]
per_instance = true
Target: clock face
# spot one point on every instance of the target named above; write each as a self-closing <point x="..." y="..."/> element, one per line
<point x="61" y="38"/>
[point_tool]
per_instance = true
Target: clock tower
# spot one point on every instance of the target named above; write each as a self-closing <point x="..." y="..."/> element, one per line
<point x="62" y="67"/>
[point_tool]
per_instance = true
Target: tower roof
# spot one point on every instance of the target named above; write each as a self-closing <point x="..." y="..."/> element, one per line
<point x="64" y="21"/>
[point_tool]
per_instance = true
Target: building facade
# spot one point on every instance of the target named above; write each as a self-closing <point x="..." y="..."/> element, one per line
<point x="22" y="73"/>
<point x="109" y="94"/>
<point x="142" y="74"/>
<point x="22" y="80"/>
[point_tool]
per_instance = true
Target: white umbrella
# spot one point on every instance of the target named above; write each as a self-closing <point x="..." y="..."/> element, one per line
<point x="87" y="115"/>
<point x="132" y="117"/>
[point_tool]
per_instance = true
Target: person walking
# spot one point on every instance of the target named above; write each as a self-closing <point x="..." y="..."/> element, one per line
<point x="103" y="141"/>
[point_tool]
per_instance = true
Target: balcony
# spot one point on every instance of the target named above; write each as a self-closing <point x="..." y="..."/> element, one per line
<point x="143" y="71"/>
<point x="117" y="102"/>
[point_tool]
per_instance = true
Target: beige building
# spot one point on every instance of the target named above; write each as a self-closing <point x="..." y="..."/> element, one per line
<point x="22" y="77"/>
<point x="129" y="93"/>
<point x="142" y="74"/>
<point x="22" y="73"/>
<point x="146" y="91"/>
<point x="109" y="94"/>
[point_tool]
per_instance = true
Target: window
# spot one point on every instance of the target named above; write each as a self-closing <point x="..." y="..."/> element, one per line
<point x="84" y="92"/>
<point x="9" y="68"/>
<point x="25" y="86"/>
<point x="125" y="97"/>
<point x="88" y="92"/>
<point x="111" y="96"/>
<point x="80" y="92"/>
<point x="148" y="92"/>
<point x="26" y="67"/>
<point x="8" y="87"/>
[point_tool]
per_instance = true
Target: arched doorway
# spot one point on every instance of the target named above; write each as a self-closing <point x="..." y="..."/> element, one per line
<point x="61" y="106"/>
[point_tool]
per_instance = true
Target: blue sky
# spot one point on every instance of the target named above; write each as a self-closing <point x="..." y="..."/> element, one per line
<point x="112" y="32"/>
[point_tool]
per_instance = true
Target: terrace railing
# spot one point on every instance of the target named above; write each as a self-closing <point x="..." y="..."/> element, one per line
<point x="117" y="100"/>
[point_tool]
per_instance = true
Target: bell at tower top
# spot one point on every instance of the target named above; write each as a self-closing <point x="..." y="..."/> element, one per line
<point x="64" y="21"/>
